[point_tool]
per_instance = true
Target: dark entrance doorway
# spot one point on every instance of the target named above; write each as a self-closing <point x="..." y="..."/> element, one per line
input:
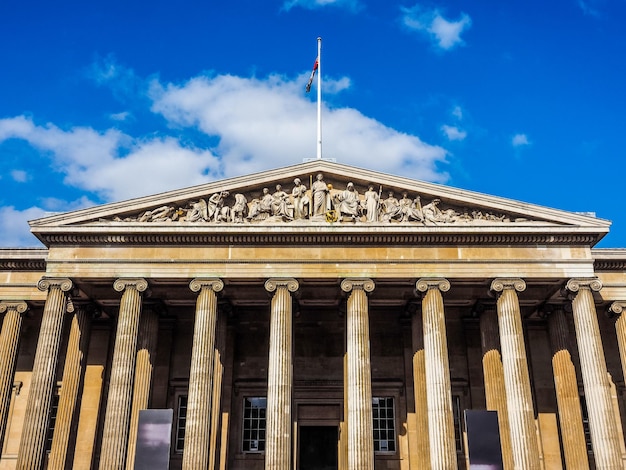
<point x="318" y="447"/>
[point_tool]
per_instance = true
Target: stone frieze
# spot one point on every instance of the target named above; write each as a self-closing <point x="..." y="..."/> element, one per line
<point x="322" y="202"/>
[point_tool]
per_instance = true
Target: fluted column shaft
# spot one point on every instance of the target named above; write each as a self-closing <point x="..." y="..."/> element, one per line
<point x="280" y="376"/>
<point x="495" y="390"/>
<point x="73" y="370"/>
<point x="196" y="450"/>
<point x="516" y="377"/>
<point x="615" y="310"/>
<point x="360" y="420"/>
<point x="142" y="385"/>
<point x="420" y="392"/>
<point x="567" y="396"/>
<point x="438" y="389"/>
<point x="218" y="377"/>
<point x="33" y="440"/>
<point x="602" y="424"/>
<point x="9" y="343"/>
<point x="119" y="399"/>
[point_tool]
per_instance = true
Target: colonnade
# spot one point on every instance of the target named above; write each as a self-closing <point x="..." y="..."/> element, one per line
<point x="505" y="365"/>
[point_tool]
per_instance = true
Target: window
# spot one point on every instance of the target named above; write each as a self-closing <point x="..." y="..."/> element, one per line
<point x="384" y="424"/>
<point x="52" y="419"/>
<point x="587" y="431"/>
<point x="181" y="422"/>
<point x="254" y="413"/>
<point x="458" y="423"/>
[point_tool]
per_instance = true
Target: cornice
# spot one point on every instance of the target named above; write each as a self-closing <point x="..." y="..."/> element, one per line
<point x="612" y="259"/>
<point x="23" y="259"/>
<point x="335" y="237"/>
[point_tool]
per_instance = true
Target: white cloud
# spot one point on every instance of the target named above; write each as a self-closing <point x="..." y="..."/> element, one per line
<point x="520" y="140"/>
<point x="457" y="112"/>
<point x="453" y="132"/>
<point x="20" y="176"/>
<point x="113" y="164"/>
<point x="15" y="230"/>
<point x="351" y="5"/>
<point x="269" y="123"/>
<point x="255" y="124"/>
<point x="445" y="34"/>
<point x="123" y="116"/>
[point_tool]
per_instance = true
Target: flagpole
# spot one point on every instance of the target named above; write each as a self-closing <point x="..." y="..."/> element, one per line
<point x="319" y="98"/>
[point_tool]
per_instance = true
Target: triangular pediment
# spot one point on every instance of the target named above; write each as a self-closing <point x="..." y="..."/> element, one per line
<point x="342" y="197"/>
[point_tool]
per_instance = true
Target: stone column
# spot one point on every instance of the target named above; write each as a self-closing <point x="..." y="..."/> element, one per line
<point x="420" y="392"/>
<point x="566" y="387"/>
<point x="119" y="399"/>
<point x="360" y="417"/>
<point x="31" y="451"/>
<point x="438" y="389"/>
<point x="602" y="425"/>
<point x="615" y="311"/>
<point x="280" y="376"/>
<point x="495" y="391"/>
<point x="197" y="435"/>
<point x="142" y="385"/>
<point x="216" y="403"/>
<point x="73" y="370"/>
<point x="516" y="377"/>
<point x="9" y="342"/>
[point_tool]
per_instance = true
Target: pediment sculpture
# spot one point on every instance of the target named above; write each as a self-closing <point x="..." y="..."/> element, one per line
<point x="321" y="203"/>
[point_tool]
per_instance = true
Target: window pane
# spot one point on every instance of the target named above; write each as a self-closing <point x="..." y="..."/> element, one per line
<point x="254" y="412"/>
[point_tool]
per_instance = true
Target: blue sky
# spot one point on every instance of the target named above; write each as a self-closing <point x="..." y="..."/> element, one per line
<point x="105" y="101"/>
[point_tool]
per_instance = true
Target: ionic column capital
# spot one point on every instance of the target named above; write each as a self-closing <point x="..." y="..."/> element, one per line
<point x="287" y="282"/>
<point x="19" y="306"/>
<point x="138" y="283"/>
<point x="63" y="283"/>
<point x="214" y="283"/>
<point x="425" y="283"/>
<point x="361" y="283"/>
<point x="575" y="284"/>
<point x="615" y="309"/>
<point x="500" y="284"/>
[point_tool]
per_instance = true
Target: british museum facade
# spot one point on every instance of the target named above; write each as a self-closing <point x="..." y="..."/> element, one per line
<point x="314" y="317"/>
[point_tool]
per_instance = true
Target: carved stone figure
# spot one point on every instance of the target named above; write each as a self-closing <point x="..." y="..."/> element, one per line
<point x="432" y="213"/>
<point x="301" y="201"/>
<point x="320" y="196"/>
<point x="261" y="209"/>
<point x="159" y="214"/>
<point x="198" y="211"/>
<point x="391" y="208"/>
<point x="280" y="203"/>
<point x="411" y="210"/>
<point x="372" y="204"/>
<point x="216" y="210"/>
<point x="348" y="202"/>
<point x="240" y="208"/>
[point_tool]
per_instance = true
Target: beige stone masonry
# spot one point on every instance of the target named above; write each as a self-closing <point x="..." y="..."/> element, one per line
<point x="602" y="425"/>
<point x="438" y="389"/>
<point x="9" y="341"/>
<point x="142" y="385"/>
<point x="359" y="383"/>
<point x="33" y="440"/>
<point x="522" y="425"/>
<point x="280" y="375"/>
<point x="419" y="390"/>
<point x="119" y="400"/>
<point x="566" y="387"/>
<point x="495" y="390"/>
<point x="73" y="371"/>
<point x="197" y="436"/>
